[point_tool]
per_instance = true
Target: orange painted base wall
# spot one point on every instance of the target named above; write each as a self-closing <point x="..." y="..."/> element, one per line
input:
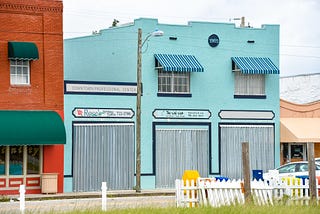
<point x="53" y="162"/>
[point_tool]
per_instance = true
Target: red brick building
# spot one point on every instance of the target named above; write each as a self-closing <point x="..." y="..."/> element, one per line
<point x="32" y="132"/>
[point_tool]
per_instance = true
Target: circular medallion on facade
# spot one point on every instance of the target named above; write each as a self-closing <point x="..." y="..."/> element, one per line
<point x="213" y="40"/>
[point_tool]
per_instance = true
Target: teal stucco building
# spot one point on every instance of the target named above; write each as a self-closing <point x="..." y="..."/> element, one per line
<point x="206" y="88"/>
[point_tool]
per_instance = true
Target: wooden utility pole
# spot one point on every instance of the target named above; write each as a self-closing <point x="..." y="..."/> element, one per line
<point x="312" y="172"/>
<point x="246" y="171"/>
<point x="138" y="115"/>
<point x="138" y="110"/>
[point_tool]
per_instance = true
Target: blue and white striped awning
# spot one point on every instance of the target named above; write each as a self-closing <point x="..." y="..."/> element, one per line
<point x="255" y="65"/>
<point x="178" y="63"/>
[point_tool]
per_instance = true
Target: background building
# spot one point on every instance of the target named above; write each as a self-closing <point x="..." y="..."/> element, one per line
<point x="299" y="125"/>
<point x="31" y="91"/>
<point x="300" y="116"/>
<point x="300" y="89"/>
<point x="207" y="87"/>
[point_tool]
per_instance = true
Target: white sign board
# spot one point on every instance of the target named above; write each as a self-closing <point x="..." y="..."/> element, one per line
<point x="102" y="113"/>
<point x="181" y="114"/>
<point x="246" y="115"/>
<point x="99" y="88"/>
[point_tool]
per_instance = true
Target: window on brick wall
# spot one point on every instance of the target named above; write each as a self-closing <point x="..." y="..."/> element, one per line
<point x="19" y="72"/>
<point x="20" y="160"/>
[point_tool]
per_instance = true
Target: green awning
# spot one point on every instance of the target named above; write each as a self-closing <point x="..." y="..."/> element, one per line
<point x="23" y="50"/>
<point x="31" y="128"/>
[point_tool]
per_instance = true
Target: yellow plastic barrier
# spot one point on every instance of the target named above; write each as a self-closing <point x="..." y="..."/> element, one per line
<point x="190" y="175"/>
<point x="292" y="181"/>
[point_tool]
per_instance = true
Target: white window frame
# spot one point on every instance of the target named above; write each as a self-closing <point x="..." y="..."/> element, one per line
<point x="25" y="156"/>
<point x="170" y="81"/>
<point x="19" y="72"/>
<point x="249" y="84"/>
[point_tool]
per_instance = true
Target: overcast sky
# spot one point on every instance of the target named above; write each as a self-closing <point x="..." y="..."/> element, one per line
<point x="298" y="20"/>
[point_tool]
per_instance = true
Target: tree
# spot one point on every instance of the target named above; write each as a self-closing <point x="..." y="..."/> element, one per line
<point x="115" y="22"/>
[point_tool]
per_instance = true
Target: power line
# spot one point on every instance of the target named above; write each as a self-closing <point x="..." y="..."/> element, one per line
<point x="300" y="46"/>
<point x="191" y="37"/>
<point x="128" y="15"/>
<point x="181" y="36"/>
<point x="304" y="56"/>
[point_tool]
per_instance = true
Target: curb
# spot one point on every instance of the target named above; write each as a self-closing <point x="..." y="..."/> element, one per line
<point x="80" y="195"/>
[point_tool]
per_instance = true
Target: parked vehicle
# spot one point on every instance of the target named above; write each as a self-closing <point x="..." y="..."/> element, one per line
<point x="293" y="169"/>
<point x="317" y="160"/>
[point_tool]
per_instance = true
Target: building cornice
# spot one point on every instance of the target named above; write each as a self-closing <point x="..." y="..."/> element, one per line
<point x="30" y="8"/>
<point x="299" y="108"/>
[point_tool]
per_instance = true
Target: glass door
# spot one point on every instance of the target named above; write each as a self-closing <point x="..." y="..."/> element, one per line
<point x="293" y="152"/>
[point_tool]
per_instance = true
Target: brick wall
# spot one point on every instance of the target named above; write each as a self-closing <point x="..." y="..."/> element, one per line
<point x="38" y="21"/>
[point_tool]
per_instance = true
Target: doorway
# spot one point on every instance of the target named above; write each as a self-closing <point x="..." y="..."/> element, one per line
<point x="293" y="152"/>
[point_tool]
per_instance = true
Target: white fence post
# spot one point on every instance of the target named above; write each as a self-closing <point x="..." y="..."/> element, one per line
<point x="22" y="191"/>
<point x="193" y="193"/>
<point x="104" y="196"/>
<point x="178" y="193"/>
<point x="317" y="184"/>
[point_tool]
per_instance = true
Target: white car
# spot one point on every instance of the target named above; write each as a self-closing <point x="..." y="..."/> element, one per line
<point x="292" y="169"/>
<point x="317" y="160"/>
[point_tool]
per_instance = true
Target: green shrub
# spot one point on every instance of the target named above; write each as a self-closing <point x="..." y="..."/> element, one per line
<point x="4" y="198"/>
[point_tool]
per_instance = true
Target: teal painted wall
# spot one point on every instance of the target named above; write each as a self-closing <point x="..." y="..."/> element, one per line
<point x="111" y="56"/>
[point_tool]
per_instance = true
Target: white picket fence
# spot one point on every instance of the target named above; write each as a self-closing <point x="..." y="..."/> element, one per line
<point x="187" y="194"/>
<point x="212" y="192"/>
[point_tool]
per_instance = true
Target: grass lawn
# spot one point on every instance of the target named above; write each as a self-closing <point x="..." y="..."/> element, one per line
<point x="221" y="210"/>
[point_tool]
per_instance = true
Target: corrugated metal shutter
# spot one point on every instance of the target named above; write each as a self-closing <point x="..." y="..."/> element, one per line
<point x="261" y="148"/>
<point x="103" y="152"/>
<point x="178" y="150"/>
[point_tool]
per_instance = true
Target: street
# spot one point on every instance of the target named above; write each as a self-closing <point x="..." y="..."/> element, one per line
<point x="87" y="203"/>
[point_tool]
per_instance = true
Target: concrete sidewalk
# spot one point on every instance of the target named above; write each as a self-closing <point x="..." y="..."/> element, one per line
<point x="60" y="204"/>
<point x="110" y="194"/>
